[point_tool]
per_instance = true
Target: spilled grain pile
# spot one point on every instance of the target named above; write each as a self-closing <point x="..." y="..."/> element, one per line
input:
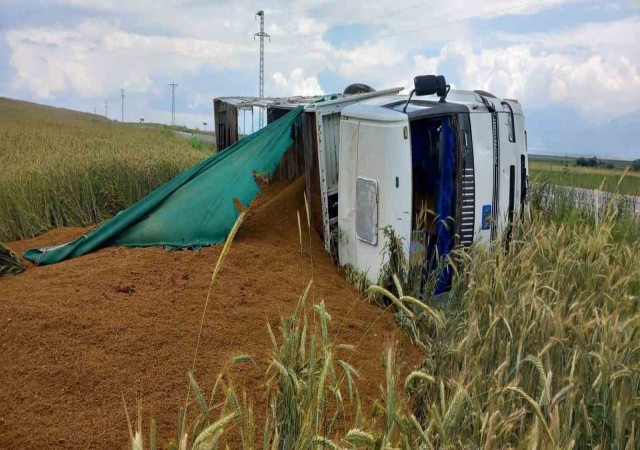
<point x="78" y="334"/>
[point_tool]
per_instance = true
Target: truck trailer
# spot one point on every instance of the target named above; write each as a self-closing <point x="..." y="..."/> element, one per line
<point x="443" y="168"/>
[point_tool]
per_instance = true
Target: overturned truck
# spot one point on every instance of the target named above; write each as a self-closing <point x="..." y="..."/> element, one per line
<point x="443" y="168"/>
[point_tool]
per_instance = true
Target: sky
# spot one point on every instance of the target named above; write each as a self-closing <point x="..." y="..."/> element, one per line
<point x="573" y="64"/>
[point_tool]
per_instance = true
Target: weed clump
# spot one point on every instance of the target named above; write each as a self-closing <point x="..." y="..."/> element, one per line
<point x="10" y="263"/>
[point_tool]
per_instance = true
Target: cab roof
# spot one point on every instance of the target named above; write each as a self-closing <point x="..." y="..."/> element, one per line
<point x="392" y="107"/>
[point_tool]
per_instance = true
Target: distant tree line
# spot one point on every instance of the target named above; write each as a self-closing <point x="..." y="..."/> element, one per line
<point x="594" y="162"/>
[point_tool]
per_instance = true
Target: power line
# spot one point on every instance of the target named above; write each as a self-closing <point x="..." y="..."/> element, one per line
<point x="476" y="16"/>
<point x="382" y="16"/>
<point x="495" y="11"/>
<point x="363" y="22"/>
<point x="173" y="102"/>
<point x="360" y="39"/>
<point x="261" y="35"/>
<point x="106" y="110"/>
<point x="122" y="104"/>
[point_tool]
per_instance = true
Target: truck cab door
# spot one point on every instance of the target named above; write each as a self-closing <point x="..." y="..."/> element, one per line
<point x="383" y="190"/>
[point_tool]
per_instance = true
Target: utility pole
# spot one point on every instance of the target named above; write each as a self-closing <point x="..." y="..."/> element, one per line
<point x="106" y="110"/>
<point x="122" y="104"/>
<point x="173" y="103"/>
<point x="261" y="35"/>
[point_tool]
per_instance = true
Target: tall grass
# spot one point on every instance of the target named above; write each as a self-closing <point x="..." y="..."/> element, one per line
<point x="539" y="347"/>
<point x="65" y="168"/>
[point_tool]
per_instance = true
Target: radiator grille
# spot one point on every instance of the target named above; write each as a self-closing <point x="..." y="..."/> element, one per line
<point x="468" y="213"/>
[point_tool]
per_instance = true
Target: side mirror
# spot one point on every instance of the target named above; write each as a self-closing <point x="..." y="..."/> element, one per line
<point x="430" y="84"/>
<point x="425" y="84"/>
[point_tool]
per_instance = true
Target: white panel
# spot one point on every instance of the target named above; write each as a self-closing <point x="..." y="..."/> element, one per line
<point x="372" y="112"/>
<point x="347" y="194"/>
<point x="482" y="138"/>
<point x="384" y="154"/>
<point x="331" y="130"/>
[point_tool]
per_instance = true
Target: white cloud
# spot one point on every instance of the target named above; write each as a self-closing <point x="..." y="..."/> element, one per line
<point x="297" y="84"/>
<point x="592" y="68"/>
<point x="426" y="65"/>
<point x="96" y="57"/>
<point x="601" y="81"/>
<point x="198" y="99"/>
<point x="280" y="79"/>
<point x="620" y="36"/>
<point x="369" y="57"/>
<point x="308" y="25"/>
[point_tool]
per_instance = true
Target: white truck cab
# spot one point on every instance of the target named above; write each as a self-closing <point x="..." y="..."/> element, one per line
<point x="459" y="156"/>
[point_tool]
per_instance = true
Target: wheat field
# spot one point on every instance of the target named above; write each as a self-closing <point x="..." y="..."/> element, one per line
<point x="66" y="168"/>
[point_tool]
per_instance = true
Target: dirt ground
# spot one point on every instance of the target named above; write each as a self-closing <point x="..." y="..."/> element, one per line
<point x="78" y="335"/>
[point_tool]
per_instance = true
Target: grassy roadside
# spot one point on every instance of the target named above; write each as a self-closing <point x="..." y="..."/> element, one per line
<point x="586" y="177"/>
<point x="66" y="168"/>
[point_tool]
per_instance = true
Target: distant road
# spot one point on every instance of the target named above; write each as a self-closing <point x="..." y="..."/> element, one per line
<point x="210" y="138"/>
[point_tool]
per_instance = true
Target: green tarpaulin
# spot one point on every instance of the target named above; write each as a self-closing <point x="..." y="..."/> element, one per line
<point x="196" y="208"/>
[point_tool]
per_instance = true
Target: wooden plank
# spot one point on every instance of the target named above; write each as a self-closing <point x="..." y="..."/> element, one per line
<point x="312" y="173"/>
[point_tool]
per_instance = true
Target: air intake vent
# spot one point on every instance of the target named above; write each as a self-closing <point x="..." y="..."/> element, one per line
<point x="468" y="185"/>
